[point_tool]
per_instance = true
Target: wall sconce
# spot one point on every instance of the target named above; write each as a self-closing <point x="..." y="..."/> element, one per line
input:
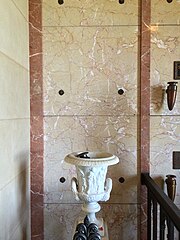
<point x="171" y="186"/>
<point x="171" y="94"/>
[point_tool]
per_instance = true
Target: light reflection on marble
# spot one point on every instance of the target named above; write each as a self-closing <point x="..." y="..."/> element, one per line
<point x="64" y="135"/>
<point x="90" y="13"/>
<point x="90" y="65"/>
<point x="165" y="138"/>
<point x="165" y="50"/>
<point x="121" y="220"/>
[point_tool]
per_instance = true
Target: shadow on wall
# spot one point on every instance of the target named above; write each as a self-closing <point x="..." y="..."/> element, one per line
<point x="24" y="198"/>
<point x="160" y="182"/>
<point x="157" y="97"/>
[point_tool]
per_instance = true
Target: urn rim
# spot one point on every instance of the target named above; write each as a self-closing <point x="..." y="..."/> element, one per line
<point x="95" y="159"/>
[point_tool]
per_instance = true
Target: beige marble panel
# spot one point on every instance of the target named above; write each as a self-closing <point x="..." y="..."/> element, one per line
<point x="90" y="13"/>
<point x="14" y="152"/>
<point x="14" y="33"/>
<point x="14" y="89"/>
<point x="23" y="230"/>
<point x="121" y="219"/>
<point x="163" y="12"/>
<point x="63" y="135"/>
<point x="15" y="207"/>
<point x="22" y="6"/>
<point x="165" y="138"/>
<point x="90" y="65"/>
<point x="165" y="49"/>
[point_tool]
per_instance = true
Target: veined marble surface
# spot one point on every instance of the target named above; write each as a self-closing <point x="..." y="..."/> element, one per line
<point x="90" y="65"/>
<point x="166" y="13"/>
<point x="90" y="13"/>
<point x="90" y="50"/>
<point x="165" y="49"/>
<point x="165" y="138"/>
<point x="121" y="220"/>
<point x="67" y="134"/>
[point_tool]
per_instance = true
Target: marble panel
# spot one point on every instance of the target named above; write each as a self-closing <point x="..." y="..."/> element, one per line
<point x="22" y="6"/>
<point x="37" y="148"/>
<point x="15" y="207"/>
<point x="165" y="50"/>
<point x="163" y="12"/>
<point x="90" y="13"/>
<point x="23" y="230"/>
<point x="165" y="138"/>
<point x="144" y="105"/>
<point x="121" y="219"/>
<point x="63" y="135"/>
<point x="14" y="89"/>
<point x="14" y="152"/>
<point x="90" y="65"/>
<point x="14" y="33"/>
<point x="144" y="88"/>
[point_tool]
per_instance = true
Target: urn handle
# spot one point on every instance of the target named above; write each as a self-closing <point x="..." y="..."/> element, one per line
<point x="74" y="187"/>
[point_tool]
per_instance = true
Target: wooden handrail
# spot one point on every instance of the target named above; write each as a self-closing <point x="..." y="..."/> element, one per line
<point x="164" y="201"/>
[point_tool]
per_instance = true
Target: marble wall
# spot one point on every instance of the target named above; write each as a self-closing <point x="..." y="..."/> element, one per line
<point x="165" y="124"/>
<point x="90" y="51"/>
<point x="14" y="121"/>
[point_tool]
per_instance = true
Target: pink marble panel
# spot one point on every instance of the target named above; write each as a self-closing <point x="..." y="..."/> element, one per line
<point x="37" y="148"/>
<point x="145" y="84"/>
<point x="144" y="124"/>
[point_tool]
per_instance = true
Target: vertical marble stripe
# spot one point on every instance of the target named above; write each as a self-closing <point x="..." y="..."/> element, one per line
<point x="145" y="12"/>
<point x="36" y="90"/>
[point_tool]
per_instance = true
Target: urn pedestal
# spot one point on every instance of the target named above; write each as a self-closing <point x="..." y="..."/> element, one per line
<point x="91" y="184"/>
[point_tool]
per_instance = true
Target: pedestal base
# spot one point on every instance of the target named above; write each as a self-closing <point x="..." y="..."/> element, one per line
<point x="103" y="230"/>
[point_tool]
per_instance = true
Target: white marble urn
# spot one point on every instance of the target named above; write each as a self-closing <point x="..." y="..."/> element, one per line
<point x="91" y="184"/>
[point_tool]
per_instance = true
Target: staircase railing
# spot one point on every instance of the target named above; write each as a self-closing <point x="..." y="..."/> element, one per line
<point x="163" y="216"/>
